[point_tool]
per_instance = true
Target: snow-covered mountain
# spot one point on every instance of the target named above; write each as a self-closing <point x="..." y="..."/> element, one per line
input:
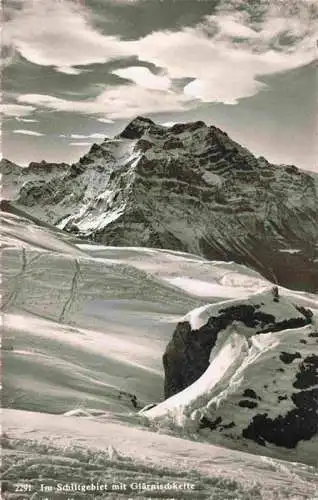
<point x="107" y="341"/>
<point x="187" y="187"/>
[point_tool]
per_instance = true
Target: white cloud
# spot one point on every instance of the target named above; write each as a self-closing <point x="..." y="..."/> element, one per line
<point x="82" y="136"/>
<point x="126" y="101"/>
<point x="68" y="70"/>
<point x="233" y="25"/>
<point x="228" y="52"/>
<point x="16" y="109"/>
<point x="59" y="34"/>
<point x="224" y="86"/>
<point x="90" y="136"/>
<point x="144" y="78"/>
<point x="105" y="120"/>
<point x="26" y="120"/>
<point x="123" y="101"/>
<point x="225" y="55"/>
<point x="52" y="102"/>
<point x="224" y="69"/>
<point x="27" y="132"/>
<point x="80" y="144"/>
<point x="168" y="124"/>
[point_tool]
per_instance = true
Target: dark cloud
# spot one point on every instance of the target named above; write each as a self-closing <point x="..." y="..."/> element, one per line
<point x="24" y="77"/>
<point x="135" y="19"/>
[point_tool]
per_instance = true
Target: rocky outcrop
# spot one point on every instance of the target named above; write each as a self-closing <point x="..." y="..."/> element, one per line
<point x="244" y="374"/>
<point x="187" y="355"/>
<point x="188" y="187"/>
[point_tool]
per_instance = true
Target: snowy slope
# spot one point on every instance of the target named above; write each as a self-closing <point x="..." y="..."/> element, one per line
<point x="54" y="449"/>
<point x="98" y="317"/>
<point x="21" y="232"/>
<point x="188" y="187"/>
<point x="85" y="326"/>
<point x="84" y="330"/>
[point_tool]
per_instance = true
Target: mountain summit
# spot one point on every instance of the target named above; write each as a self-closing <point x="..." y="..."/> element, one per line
<point x="187" y="187"/>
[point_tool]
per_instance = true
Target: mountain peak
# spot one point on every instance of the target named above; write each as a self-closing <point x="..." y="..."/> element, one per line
<point x="186" y="187"/>
<point x="178" y="128"/>
<point x="137" y="127"/>
<point x="141" y="124"/>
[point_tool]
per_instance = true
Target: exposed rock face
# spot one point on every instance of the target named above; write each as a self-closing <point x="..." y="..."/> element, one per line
<point x="188" y="187"/>
<point x="247" y="372"/>
<point x="187" y="355"/>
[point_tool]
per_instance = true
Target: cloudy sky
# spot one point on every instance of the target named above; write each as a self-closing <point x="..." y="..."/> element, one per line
<point x="76" y="71"/>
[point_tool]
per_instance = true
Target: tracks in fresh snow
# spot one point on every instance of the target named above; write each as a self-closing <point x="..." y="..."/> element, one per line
<point x="73" y="290"/>
<point x="16" y="287"/>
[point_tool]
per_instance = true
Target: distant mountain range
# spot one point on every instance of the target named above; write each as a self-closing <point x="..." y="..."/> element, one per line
<point x="187" y="187"/>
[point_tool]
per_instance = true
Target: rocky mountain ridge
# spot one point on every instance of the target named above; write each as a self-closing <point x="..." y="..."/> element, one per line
<point x="187" y="187"/>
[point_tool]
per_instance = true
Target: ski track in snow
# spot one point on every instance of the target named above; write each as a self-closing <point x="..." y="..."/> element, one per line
<point x="88" y="325"/>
